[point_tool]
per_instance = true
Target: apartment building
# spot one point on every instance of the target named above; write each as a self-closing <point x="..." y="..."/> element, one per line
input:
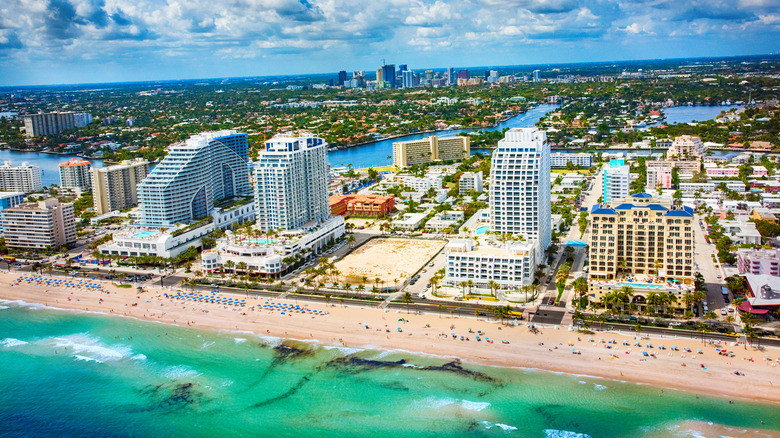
<point x="687" y="146"/>
<point x="560" y="159"/>
<point x="641" y="242"/>
<point x="8" y="200"/>
<point x="617" y="179"/>
<point x="430" y="149"/>
<point x="291" y="182"/>
<point x="520" y="185"/>
<point x="519" y="206"/>
<point x="37" y="125"/>
<point x="75" y="174"/>
<point x="116" y="187"/>
<point x="470" y="181"/>
<point x="25" y="178"/>
<point x="422" y="184"/>
<point x="683" y="166"/>
<point x="361" y="205"/>
<point x="206" y="168"/>
<point x="39" y="225"/>
<point x="658" y="176"/>
<point x="758" y="261"/>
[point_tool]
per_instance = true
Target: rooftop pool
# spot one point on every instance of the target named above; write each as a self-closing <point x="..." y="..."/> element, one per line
<point x="481" y="230"/>
<point x="145" y="234"/>
<point x="260" y="241"/>
<point x="647" y="285"/>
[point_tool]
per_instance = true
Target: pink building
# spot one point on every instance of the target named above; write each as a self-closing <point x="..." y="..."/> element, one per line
<point x="759" y="171"/>
<point x="659" y="175"/>
<point x="722" y="172"/>
<point x="758" y="261"/>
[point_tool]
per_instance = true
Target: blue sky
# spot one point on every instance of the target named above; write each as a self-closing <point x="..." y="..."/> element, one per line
<point x="78" y="41"/>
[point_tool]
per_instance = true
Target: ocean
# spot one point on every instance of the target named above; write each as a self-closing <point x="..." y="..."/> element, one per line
<point x="67" y="373"/>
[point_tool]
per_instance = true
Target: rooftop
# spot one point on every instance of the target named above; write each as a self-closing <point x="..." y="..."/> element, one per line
<point x="75" y="162"/>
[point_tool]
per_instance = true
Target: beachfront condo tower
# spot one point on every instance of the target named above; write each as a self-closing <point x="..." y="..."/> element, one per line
<point x="644" y="243"/>
<point x="519" y="218"/>
<point x="520" y="186"/>
<point x="291" y="182"/>
<point x="205" y="169"/>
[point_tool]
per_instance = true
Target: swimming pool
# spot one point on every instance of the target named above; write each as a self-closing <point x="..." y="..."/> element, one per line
<point x="647" y="285"/>
<point x="145" y="234"/>
<point x="260" y="241"/>
<point x="481" y="230"/>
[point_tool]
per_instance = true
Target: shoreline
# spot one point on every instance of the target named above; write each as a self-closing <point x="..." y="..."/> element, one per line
<point x="430" y="335"/>
<point x="429" y="131"/>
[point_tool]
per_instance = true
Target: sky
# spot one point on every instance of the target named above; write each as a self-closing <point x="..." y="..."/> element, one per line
<point x="88" y="41"/>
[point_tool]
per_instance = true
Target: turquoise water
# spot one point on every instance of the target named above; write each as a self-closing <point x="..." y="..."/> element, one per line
<point x="481" y="230"/>
<point x="73" y="374"/>
<point x="647" y="285"/>
<point x="144" y="234"/>
<point x="260" y="241"/>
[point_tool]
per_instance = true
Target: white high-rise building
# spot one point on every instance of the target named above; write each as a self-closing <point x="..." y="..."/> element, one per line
<point x="520" y="185"/>
<point x="291" y="182"/>
<point x="39" y="225"/>
<point x="24" y="178"/>
<point x="519" y="206"/>
<point x="686" y="146"/>
<point x="75" y="174"/>
<point x="617" y="178"/>
<point x="206" y="168"/>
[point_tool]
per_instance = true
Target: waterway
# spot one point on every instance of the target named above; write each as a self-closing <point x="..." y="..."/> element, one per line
<point x="49" y="163"/>
<point x="686" y="114"/>
<point x="372" y="154"/>
<point x="380" y="153"/>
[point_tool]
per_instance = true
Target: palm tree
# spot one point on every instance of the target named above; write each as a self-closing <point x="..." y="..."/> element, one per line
<point x="494" y="286"/>
<point x="351" y="240"/>
<point x="656" y="300"/>
<point x="562" y="275"/>
<point x="241" y="266"/>
<point x="327" y="299"/>
<point x="702" y="328"/>
<point x="361" y="288"/>
<point x="625" y="294"/>
<point x="580" y="285"/>
<point x="435" y="280"/>
<point x="463" y="285"/>
<point x="470" y="284"/>
<point x="407" y="298"/>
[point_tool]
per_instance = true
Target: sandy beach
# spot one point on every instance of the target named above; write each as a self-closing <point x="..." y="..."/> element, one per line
<point x="550" y="349"/>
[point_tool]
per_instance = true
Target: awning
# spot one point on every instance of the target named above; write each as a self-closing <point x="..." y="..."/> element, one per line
<point x="745" y="306"/>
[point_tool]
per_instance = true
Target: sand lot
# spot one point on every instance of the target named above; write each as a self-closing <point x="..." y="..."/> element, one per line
<point x="390" y="260"/>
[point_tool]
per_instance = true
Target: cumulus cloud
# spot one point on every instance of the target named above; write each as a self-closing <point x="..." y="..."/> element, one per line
<point x="52" y="30"/>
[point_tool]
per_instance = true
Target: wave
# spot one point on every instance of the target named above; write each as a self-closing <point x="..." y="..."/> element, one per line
<point x="504" y="427"/>
<point x="554" y="433"/>
<point x="11" y="342"/>
<point x="139" y="357"/>
<point x="81" y="344"/>
<point x="599" y="387"/>
<point x="239" y="340"/>
<point x="179" y="372"/>
<point x="440" y="402"/>
<point x="86" y="359"/>
<point x="3" y="307"/>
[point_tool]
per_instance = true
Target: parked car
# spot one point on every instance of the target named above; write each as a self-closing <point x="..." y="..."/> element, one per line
<point x="110" y="277"/>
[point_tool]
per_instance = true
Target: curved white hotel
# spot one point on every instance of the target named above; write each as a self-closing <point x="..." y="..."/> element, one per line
<point x="206" y="168"/>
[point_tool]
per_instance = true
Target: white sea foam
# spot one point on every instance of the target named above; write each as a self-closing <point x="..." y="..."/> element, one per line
<point x="553" y="433"/>
<point x="179" y="372"/>
<point x="85" y="358"/>
<point x="474" y="406"/>
<point x="11" y="342"/>
<point x="410" y="365"/>
<point x="599" y="387"/>
<point x="344" y="350"/>
<point x="207" y="344"/>
<point x="506" y="427"/>
<point x="239" y="340"/>
<point x="436" y="402"/>
<point x="582" y="382"/>
<point x="80" y="344"/>
<point x="139" y="357"/>
<point x="3" y="307"/>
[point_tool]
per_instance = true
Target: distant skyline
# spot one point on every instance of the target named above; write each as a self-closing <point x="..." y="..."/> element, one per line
<point x="88" y="41"/>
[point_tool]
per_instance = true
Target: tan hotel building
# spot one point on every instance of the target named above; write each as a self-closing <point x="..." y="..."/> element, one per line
<point x="427" y="150"/>
<point x="645" y="239"/>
